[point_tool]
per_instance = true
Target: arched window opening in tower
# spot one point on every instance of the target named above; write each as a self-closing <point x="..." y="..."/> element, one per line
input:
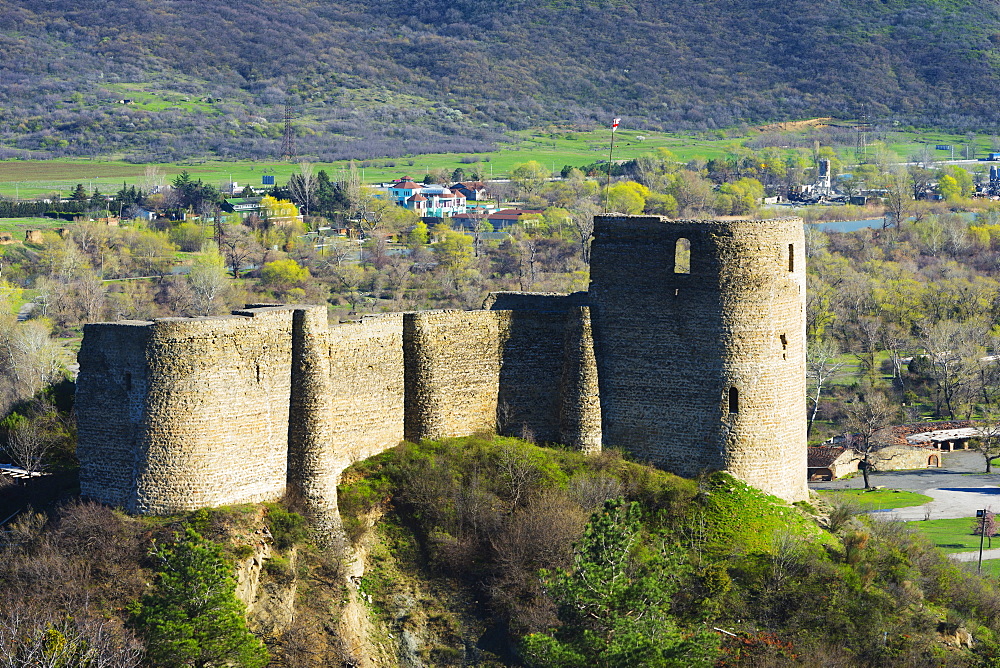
<point x="734" y="400"/>
<point x="128" y="382"/>
<point x="791" y="257"/>
<point x="682" y="256"/>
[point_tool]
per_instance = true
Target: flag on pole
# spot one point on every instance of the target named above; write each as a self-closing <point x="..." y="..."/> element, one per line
<point x="614" y="124"/>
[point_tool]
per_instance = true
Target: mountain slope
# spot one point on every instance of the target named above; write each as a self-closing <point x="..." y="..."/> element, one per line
<point x="389" y="78"/>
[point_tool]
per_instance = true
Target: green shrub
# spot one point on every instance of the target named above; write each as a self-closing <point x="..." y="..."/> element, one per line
<point x="279" y="568"/>
<point x="242" y="551"/>
<point x="286" y="528"/>
<point x="806" y="506"/>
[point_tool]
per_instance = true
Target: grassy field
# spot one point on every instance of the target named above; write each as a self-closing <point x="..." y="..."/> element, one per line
<point x="553" y="147"/>
<point x="158" y="99"/>
<point x="30" y="178"/>
<point x="952" y="535"/>
<point x="991" y="568"/>
<point x="17" y="226"/>
<point x="877" y="499"/>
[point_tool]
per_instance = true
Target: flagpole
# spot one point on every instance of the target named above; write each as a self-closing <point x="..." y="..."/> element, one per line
<point x="611" y="153"/>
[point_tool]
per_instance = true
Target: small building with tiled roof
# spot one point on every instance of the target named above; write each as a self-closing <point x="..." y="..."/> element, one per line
<point x="942" y="435"/>
<point x="473" y="190"/>
<point x="830" y="462"/>
<point x="500" y="219"/>
<point x="417" y="203"/>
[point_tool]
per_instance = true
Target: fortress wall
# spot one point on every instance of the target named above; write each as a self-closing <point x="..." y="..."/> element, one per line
<point x="366" y="369"/>
<point x="347" y="402"/>
<point x="656" y="336"/>
<point x="111" y="409"/>
<point x="216" y="431"/>
<point x="452" y="372"/>
<point x="670" y="346"/>
<point x="532" y="357"/>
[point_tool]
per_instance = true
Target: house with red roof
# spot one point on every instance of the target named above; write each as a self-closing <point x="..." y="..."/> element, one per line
<point x="500" y="219"/>
<point x="427" y="201"/>
<point x="473" y="190"/>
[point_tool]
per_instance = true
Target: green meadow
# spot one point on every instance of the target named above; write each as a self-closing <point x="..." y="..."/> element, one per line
<point x="876" y="499"/>
<point x="553" y="147"/>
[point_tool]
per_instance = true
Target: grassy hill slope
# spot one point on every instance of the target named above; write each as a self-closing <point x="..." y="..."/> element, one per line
<point x="388" y="78"/>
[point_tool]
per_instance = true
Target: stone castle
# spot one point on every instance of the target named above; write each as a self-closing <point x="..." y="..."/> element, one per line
<point x="688" y="351"/>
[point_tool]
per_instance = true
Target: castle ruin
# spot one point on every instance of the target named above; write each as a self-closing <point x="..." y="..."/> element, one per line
<point x="688" y="351"/>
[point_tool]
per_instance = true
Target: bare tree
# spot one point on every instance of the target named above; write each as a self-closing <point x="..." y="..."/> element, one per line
<point x="527" y="257"/>
<point x="353" y="191"/>
<point x="208" y="282"/>
<point x="897" y="196"/>
<point x="29" y="359"/>
<point x="821" y="366"/>
<point x="376" y="248"/>
<point x="28" y="446"/>
<point x="237" y="245"/>
<point x="868" y="416"/>
<point x="895" y="341"/>
<point x="33" y="638"/>
<point x="350" y="278"/>
<point x="338" y="251"/>
<point x="920" y="180"/>
<point x="582" y="216"/>
<point x="988" y="443"/>
<point x="152" y="179"/>
<point x="303" y="186"/>
<point x="953" y="350"/>
<point x="518" y="473"/>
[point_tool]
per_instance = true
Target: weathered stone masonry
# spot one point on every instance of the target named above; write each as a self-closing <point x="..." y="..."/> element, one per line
<point x="695" y="370"/>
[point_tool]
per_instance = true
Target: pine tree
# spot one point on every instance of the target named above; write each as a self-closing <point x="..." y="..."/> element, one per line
<point x="79" y="194"/>
<point x="615" y="603"/>
<point x="192" y="617"/>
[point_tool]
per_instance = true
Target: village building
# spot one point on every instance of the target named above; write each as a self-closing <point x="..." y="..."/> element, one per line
<point x="427" y="201"/>
<point x="909" y="446"/>
<point x="244" y="206"/>
<point x="830" y="462"/>
<point x="498" y="219"/>
<point x="472" y="190"/>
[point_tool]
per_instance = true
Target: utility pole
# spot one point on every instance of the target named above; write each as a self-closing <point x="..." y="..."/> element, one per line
<point x="611" y="153"/>
<point x="982" y="536"/>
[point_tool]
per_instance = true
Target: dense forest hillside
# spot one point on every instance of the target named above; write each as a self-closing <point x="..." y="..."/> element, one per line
<point x="385" y="78"/>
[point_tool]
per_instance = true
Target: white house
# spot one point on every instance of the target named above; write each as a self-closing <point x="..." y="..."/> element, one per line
<point x="429" y="201"/>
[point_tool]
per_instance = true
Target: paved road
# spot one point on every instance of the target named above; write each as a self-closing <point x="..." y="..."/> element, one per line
<point x="958" y="490"/>
<point x="963" y="469"/>
<point x="974" y="556"/>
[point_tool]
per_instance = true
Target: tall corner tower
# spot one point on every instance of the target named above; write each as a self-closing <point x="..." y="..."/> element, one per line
<point x="699" y="335"/>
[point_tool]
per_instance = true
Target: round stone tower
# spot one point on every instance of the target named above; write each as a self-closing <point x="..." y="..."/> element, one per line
<point x="699" y="334"/>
